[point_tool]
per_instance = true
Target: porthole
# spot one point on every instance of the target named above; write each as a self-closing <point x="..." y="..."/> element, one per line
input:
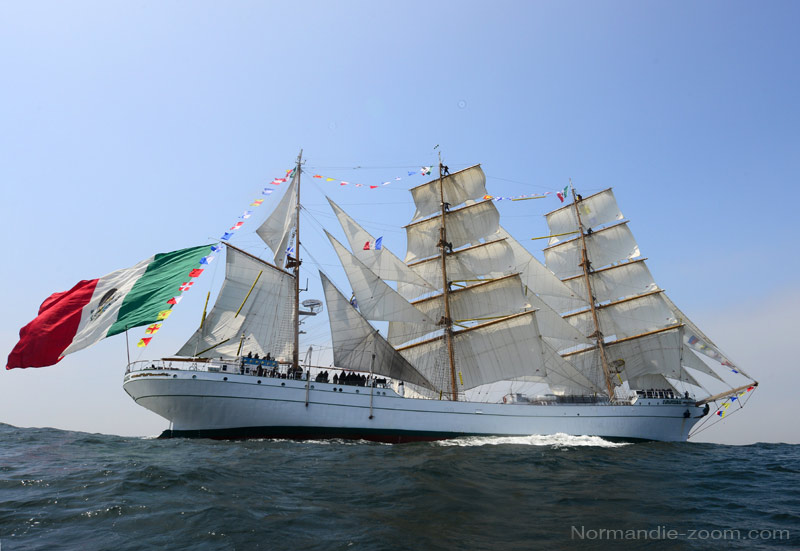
<point x="312" y="387"/>
<point x="194" y="376"/>
<point x="224" y="378"/>
<point x="259" y="382"/>
<point x="358" y="391"/>
<point x="340" y="390"/>
<point x="174" y="376"/>
<point x="283" y="384"/>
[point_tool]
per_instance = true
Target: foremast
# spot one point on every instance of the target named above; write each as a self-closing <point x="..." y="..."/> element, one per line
<point x="447" y="319"/>
<point x="598" y="334"/>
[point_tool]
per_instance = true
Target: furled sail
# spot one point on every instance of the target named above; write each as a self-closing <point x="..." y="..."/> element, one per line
<point x="276" y="231"/>
<point x="255" y="301"/>
<point x="606" y="246"/>
<point x="381" y="261"/>
<point x="355" y="341"/>
<point x="376" y="300"/>
<point x="467" y="225"/>
<point x="458" y="187"/>
<point x="599" y="209"/>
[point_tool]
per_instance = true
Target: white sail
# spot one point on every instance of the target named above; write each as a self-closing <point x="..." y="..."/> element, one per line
<point x="459" y="187"/>
<point x="376" y="300"/>
<point x="492" y="260"/>
<point x="504" y="349"/>
<point x="656" y="354"/>
<point x="276" y="231"/>
<point x="627" y="317"/>
<point x="355" y="342"/>
<point x="540" y="280"/>
<point x="699" y="342"/>
<point x="492" y="298"/>
<point x="263" y="313"/>
<point x="623" y="280"/>
<point x="465" y="226"/>
<point x="599" y="209"/>
<point x="606" y="246"/>
<point x="381" y="261"/>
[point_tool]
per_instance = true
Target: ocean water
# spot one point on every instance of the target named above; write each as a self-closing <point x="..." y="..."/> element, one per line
<point x="70" y="490"/>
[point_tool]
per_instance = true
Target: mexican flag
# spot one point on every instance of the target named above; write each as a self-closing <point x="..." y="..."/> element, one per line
<point x="99" y="308"/>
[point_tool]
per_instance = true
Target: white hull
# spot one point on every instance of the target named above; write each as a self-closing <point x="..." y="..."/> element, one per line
<point x="219" y="405"/>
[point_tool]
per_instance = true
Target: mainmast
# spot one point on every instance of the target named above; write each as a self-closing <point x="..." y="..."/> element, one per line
<point x="295" y="263"/>
<point x="447" y="321"/>
<point x="597" y="335"/>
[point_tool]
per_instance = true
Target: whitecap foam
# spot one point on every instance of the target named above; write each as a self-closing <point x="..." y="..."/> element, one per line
<point x="559" y="440"/>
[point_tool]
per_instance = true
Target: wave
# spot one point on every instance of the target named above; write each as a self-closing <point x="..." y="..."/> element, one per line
<point x="558" y="440"/>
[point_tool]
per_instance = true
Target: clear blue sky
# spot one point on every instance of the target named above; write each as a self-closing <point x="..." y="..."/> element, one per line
<point x="130" y="128"/>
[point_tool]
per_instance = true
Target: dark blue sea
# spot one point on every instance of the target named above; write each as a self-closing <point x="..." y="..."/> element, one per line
<point x="71" y="490"/>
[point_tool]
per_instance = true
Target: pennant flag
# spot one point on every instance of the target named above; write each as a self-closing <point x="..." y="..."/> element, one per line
<point x="196" y="272"/>
<point x="267" y="191"/>
<point x="144" y="342"/>
<point x="373" y="187"/>
<point x="378" y="243"/>
<point x="163" y="314"/>
<point x="366" y="246"/>
<point x="153" y="329"/>
<point x="278" y="181"/>
<point x="256" y="203"/>
<point x="186" y="286"/>
<point x="487" y="197"/>
<point x="750" y="388"/>
<point x="562" y="194"/>
<point x="246" y="214"/>
<point x="425" y="170"/>
<point x="329" y="179"/>
<point x="174" y="300"/>
<point x="343" y="183"/>
<point x="317" y="176"/>
<point x="359" y="185"/>
<point x="411" y="173"/>
<point x="207" y="260"/>
<point x="216" y="248"/>
<point x="398" y="178"/>
<point x="290" y="172"/>
<point x="226" y="236"/>
<point x="94" y="309"/>
<point x="236" y="226"/>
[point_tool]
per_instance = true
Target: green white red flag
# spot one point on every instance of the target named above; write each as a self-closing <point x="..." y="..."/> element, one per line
<point x="94" y="309"/>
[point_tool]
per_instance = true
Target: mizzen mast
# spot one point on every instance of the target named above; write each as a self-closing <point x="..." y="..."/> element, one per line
<point x="597" y="335"/>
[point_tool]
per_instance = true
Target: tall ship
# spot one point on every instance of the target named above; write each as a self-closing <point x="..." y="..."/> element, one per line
<point x="480" y="337"/>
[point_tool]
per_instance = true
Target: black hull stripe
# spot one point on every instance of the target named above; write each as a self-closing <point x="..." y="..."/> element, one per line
<point x="326" y="433"/>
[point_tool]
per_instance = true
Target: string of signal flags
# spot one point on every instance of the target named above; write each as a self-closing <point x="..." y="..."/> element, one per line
<point x="424" y="171"/>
